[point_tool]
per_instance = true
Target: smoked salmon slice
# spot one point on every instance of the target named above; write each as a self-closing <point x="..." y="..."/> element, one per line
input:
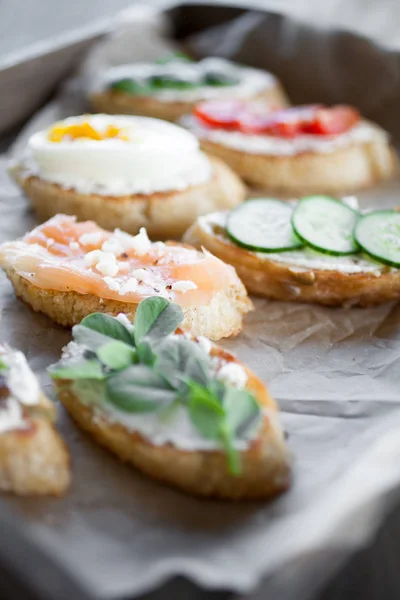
<point x="65" y="256"/>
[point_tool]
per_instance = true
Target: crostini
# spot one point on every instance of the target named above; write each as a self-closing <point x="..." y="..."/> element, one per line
<point x="177" y="407"/>
<point x="68" y="270"/>
<point x="170" y="90"/>
<point x="296" y="151"/>
<point x="126" y="172"/>
<point x="317" y="250"/>
<point x="33" y="457"/>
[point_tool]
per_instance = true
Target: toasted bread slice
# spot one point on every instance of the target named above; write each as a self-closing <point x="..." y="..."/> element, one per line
<point x="270" y="278"/>
<point x="33" y="457"/>
<point x="350" y="168"/>
<point x="223" y="317"/>
<point x="117" y="103"/>
<point x="166" y="215"/>
<point x="265" y="463"/>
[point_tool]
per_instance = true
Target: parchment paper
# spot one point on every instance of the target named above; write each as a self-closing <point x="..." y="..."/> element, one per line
<point x="335" y="374"/>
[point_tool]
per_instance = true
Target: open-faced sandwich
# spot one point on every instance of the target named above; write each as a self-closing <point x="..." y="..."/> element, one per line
<point x="317" y="250"/>
<point x="68" y="270"/>
<point x="177" y="407"/>
<point x="33" y="457"/>
<point x="299" y="150"/>
<point x="171" y="89"/>
<point x="125" y="172"/>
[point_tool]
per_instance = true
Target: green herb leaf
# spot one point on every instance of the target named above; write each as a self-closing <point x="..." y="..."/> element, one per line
<point x="180" y="359"/>
<point x="242" y="410"/>
<point x="116" y="355"/>
<point x="155" y="318"/>
<point x="3" y="365"/>
<point x="131" y="86"/>
<point x="90" y="369"/>
<point x="145" y="354"/>
<point x="219" y="79"/>
<point x="205" y="411"/>
<point x="139" y="389"/>
<point x="231" y="452"/>
<point x="171" y="82"/>
<point x="107" y="326"/>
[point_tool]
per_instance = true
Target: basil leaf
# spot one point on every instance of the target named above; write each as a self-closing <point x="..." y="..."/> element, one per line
<point x="242" y="410"/>
<point x="139" y="389"/>
<point x="155" y="318"/>
<point x="205" y="411"/>
<point x="234" y="466"/>
<point x="107" y="326"/>
<point x="145" y="354"/>
<point x="89" y="390"/>
<point x="90" y="369"/>
<point x="116" y="355"/>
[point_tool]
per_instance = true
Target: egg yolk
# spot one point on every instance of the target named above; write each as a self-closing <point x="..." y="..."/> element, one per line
<point x="79" y="131"/>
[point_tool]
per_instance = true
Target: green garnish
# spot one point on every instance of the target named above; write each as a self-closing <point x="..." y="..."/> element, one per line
<point x="3" y="365"/>
<point x="131" y="86"/>
<point x="142" y="368"/>
<point x="219" y="79"/>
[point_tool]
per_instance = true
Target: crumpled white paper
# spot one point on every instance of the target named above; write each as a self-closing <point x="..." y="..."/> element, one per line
<point x="335" y="373"/>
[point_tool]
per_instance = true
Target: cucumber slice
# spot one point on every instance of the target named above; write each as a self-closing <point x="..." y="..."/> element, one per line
<point x="326" y="224"/>
<point x="378" y="234"/>
<point x="263" y="225"/>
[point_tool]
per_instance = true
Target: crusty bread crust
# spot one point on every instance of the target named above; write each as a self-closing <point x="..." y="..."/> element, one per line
<point x="117" y="103"/>
<point x="35" y="461"/>
<point x="277" y="281"/>
<point x="166" y="215"/>
<point x="223" y="317"/>
<point x="347" y="169"/>
<point x="265" y="465"/>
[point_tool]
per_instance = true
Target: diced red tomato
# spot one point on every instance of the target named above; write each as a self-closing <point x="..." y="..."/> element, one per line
<point x="255" y="118"/>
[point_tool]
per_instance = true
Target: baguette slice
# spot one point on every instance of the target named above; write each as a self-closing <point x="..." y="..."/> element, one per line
<point x="265" y="276"/>
<point x="265" y="464"/>
<point x="117" y="103"/>
<point x="45" y="281"/>
<point x="166" y="215"/>
<point x="33" y="458"/>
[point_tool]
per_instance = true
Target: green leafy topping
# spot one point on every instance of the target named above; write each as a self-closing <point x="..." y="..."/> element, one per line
<point x="156" y="318"/>
<point x="139" y="389"/>
<point x="108" y="326"/>
<point x="116" y="355"/>
<point x="90" y="369"/>
<point x="131" y="86"/>
<point x="219" y="79"/>
<point x="174" y="56"/>
<point x="3" y="365"/>
<point x="145" y="369"/>
<point x="171" y="82"/>
<point x="145" y="354"/>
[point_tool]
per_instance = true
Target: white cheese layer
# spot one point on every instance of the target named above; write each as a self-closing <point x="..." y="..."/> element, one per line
<point x="363" y="132"/>
<point x="250" y="81"/>
<point x="305" y="259"/>
<point x="23" y="389"/>
<point x="156" y="156"/>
